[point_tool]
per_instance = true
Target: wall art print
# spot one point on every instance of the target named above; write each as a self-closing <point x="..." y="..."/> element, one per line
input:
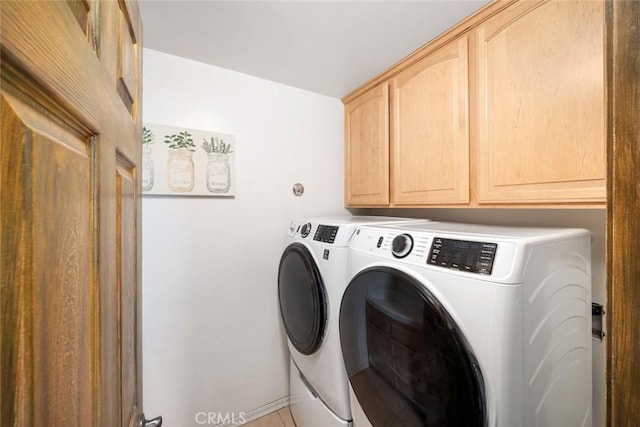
<point x="187" y="162"/>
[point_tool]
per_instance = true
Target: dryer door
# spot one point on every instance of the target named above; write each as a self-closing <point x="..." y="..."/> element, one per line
<point x="302" y="298"/>
<point x="407" y="361"/>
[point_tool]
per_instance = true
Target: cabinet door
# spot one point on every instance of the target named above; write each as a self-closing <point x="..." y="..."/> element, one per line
<point x="541" y="118"/>
<point x="367" y="149"/>
<point x="430" y="129"/>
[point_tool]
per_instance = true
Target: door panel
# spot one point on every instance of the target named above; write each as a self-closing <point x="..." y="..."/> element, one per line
<point x="53" y="279"/>
<point x="367" y="148"/>
<point x="126" y="59"/>
<point x="70" y="246"/>
<point x="127" y="289"/>
<point x="542" y="129"/>
<point x="430" y="129"/>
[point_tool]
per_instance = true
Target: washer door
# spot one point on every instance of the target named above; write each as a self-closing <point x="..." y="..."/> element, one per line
<point x="302" y="298"/>
<point x="407" y="361"/>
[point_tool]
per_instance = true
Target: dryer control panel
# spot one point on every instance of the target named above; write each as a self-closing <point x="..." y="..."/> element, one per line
<point x="463" y="255"/>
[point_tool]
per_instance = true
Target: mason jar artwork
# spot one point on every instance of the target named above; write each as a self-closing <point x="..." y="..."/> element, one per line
<point x="147" y="169"/>
<point x="147" y="159"/>
<point x="218" y="169"/>
<point x="218" y="173"/>
<point x="180" y="166"/>
<point x="180" y="170"/>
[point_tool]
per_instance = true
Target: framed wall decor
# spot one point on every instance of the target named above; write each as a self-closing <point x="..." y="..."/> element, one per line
<point x="180" y="161"/>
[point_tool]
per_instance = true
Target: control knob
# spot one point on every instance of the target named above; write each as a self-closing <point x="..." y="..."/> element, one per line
<point x="305" y="230"/>
<point x="401" y="245"/>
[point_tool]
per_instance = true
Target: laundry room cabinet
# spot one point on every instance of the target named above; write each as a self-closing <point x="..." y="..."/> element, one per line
<point x="367" y="148"/>
<point x="407" y="139"/>
<point x="541" y="103"/>
<point x="430" y="129"/>
<point x="505" y="109"/>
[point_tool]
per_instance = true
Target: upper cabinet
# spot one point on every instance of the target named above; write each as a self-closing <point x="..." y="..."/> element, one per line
<point x="367" y="149"/>
<point x="430" y="129"/>
<point x="541" y="109"/>
<point x="505" y="109"/>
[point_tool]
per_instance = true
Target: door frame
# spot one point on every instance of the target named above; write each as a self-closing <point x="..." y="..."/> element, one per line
<point x="623" y="211"/>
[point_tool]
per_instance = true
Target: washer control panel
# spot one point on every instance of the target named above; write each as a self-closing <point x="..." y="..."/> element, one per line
<point x="463" y="255"/>
<point x="326" y="233"/>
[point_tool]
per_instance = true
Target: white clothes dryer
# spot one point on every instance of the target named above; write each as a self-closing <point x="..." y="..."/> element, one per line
<point x="450" y="325"/>
<point x="311" y="280"/>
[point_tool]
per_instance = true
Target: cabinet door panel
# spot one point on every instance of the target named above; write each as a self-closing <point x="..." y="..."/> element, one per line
<point x="367" y="149"/>
<point x="430" y="131"/>
<point x="541" y="135"/>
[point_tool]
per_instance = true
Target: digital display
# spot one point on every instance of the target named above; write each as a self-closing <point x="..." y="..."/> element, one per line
<point x="326" y="233"/>
<point x="459" y="244"/>
<point x="463" y="255"/>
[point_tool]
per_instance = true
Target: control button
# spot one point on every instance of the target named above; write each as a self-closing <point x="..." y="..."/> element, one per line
<point x="401" y="245"/>
<point x="379" y="242"/>
<point x="306" y="229"/>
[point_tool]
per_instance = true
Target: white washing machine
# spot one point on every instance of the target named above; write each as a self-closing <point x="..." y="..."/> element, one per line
<point x="447" y="324"/>
<point x="311" y="280"/>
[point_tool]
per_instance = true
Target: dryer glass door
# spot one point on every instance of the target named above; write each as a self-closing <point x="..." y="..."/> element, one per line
<point x="407" y="361"/>
<point x="302" y="298"/>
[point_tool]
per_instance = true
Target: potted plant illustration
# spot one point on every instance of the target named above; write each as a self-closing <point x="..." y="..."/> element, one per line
<point x="218" y="170"/>
<point x="180" y="167"/>
<point x="147" y="159"/>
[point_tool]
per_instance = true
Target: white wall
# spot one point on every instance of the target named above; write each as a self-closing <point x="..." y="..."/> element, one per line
<point x="212" y="340"/>
<point x="591" y="219"/>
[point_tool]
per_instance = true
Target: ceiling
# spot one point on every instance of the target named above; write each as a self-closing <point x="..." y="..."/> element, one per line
<point x="327" y="47"/>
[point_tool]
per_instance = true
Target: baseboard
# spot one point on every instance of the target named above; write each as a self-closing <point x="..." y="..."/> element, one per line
<point x="245" y="417"/>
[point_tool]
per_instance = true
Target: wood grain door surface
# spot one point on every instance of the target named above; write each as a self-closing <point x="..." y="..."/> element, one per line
<point x="70" y="218"/>
<point x="367" y="148"/>
<point x="541" y="135"/>
<point x="430" y="129"/>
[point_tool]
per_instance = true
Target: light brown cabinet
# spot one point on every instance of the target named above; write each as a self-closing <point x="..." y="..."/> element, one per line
<point x="506" y="109"/>
<point x="367" y="149"/>
<point x="541" y="127"/>
<point x="416" y="138"/>
<point x="430" y="129"/>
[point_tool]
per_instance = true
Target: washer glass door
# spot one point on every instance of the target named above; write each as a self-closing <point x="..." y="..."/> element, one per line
<point x="302" y="298"/>
<point x="407" y="361"/>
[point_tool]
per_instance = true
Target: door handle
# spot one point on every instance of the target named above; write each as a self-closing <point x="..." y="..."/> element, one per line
<point x="156" y="422"/>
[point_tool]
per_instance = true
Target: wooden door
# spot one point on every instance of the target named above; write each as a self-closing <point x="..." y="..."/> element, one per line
<point x="70" y="220"/>
<point x="623" y="206"/>
<point x="367" y="148"/>
<point x="541" y="118"/>
<point x="430" y="129"/>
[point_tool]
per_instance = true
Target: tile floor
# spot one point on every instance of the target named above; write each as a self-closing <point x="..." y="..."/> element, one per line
<point x="280" y="418"/>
